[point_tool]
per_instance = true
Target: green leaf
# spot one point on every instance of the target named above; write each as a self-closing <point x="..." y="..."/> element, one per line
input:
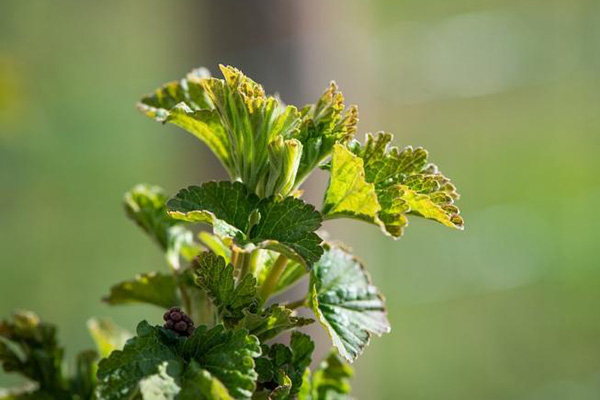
<point x="216" y="245"/>
<point x="323" y="125"/>
<point x="186" y="104"/>
<point x="119" y="375"/>
<point x="226" y="354"/>
<point x="280" y="363"/>
<point x="284" y="159"/>
<point x="346" y="303"/>
<point x="406" y="184"/>
<point x="348" y="193"/>
<point x="217" y="279"/>
<point x="145" y="205"/>
<point x="331" y="380"/>
<point x="199" y="384"/>
<point x="151" y="288"/>
<point x="160" y="386"/>
<point x="83" y="382"/>
<point x="286" y="226"/>
<point x="29" y="347"/>
<point x="272" y="321"/>
<point x="251" y="120"/>
<point x="107" y="335"/>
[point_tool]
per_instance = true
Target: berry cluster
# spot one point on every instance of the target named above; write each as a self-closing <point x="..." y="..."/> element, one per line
<point x="177" y="321"/>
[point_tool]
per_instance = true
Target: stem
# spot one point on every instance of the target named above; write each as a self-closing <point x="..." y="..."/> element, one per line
<point x="185" y="297"/>
<point x="298" y="303"/>
<point x="250" y="263"/>
<point x="273" y="276"/>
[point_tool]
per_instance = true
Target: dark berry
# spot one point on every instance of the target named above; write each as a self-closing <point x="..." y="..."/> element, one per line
<point x="177" y="321"/>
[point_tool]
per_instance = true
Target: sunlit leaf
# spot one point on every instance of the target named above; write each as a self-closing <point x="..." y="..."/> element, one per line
<point x="330" y="381"/>
<point x="346" y="303"/>
<point x="324" y="124"/>
<point x="286" y="226"/>
<point x="150" y="288"/>
<point x="160" y="386"/>
<point x="199" y="384"/>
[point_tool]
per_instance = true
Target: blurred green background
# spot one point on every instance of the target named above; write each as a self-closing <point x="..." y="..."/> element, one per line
<point x="504" y="94"/>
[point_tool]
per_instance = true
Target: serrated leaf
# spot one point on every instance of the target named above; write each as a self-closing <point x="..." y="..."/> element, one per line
<point x="286" y="226"/>
<point x="323" y="125"/>
<point x="160" y="386"/>
<point x="348" y="193"/>
<point x="186" y="104"/>
<point x="199" y="384"/>
<point x="29" y="347"/>
<point x="119" y="375"/>
<point x="251" y="120"/>
<point x="272" y="321"/>
<point x="150" y="288"/>
<point x="284" y="159"/>
<point x="226" y="354"/>
<point x="216" y="277"/>
<point x="406" y="184"/>
<point x="216" y="245"/>
<point x="145" y="205"/>
<point x="346" y="303"/>
<point x="107" y="335"/>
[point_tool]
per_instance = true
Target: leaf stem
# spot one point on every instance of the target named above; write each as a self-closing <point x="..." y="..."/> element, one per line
<point x="185" y="297"/>
<point x="268" y="286"/>
<point x="303" y="302"/>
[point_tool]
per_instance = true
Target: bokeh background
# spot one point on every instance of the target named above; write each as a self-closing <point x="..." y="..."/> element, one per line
<point x="505" y="95"/>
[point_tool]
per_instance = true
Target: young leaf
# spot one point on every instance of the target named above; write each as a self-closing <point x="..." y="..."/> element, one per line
<point x="280" y="363"/>
<point x="349" y="194"/>
<point x="286" y="226"/>
<point x="323" y="125"/>
<point x="185" y="104"/>
<point x="345" y="302"/>
<point x="145" y="205"/>
<point x="329" y="381"/>
<point x="216" y="278"/>
<point x="228" y="355"/>
<point x="151" y="288"/>
<point x="271" y="321"/>
<point x="83" y="382"/>
<point x="406" y="184"/>
<point x="251" y="120"/>
<point x="199" y="384"/>
<point x="107" y="335"/>
<point x="29" y="347"/>
<point x="119" y="375"/>
<point x="284" y="159"/>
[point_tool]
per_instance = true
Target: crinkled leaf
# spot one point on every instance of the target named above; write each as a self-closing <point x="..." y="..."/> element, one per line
<point x="346" y="303"/>
<point x="406" y="184"/>
<point x="217" y="278"/>
<point x="348" y="193"/>
<point x="151" y="288"/>
<point x="228" y="355"/>
<point x="186" y="104"/>
<point x="160" y="386"/>
<point x="324" y="124"/>
<point x="286" y="226"/>
<point x="119" y="375"/>
<point x="145" y="205"/>
<point x="280" y="362"/>
<point x="251" y="120"/>
<point x="29" y="347"/>
<point x="271" y="321"/>
<point x="107" y="335"/>
<point x="199" y="384"/>
<point x="215" y="244"/>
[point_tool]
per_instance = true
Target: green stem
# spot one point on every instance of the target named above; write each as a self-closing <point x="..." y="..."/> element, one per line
<point x="185" y="297"/>
<point x="298" y="303"/>
<point x="250" y="263"/>
<point x="268" y="286"/>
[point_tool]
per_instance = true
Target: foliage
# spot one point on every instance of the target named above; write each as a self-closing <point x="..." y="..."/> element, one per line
<point x="264" y="239"/>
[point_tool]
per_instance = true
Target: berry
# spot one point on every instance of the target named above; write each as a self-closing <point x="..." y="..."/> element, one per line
<point x="178" y="322"/>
